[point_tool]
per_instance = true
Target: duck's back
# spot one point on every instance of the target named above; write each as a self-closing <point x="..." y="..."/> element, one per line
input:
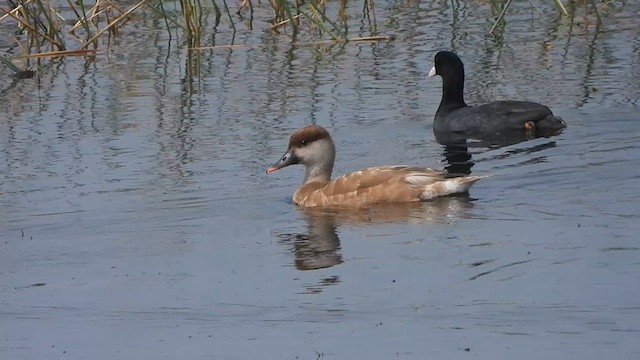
<point x="384" y="184"/>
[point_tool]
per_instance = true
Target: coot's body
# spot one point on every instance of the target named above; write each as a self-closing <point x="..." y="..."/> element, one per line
<point x="455" y="116"/>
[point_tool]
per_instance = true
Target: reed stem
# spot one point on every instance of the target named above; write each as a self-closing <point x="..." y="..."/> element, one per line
<point x="561" y="7"/>
<point x="501" y="16"/>
<point x="45" y="26"/>
<point x="113" y="23"/>
<point x="10" y="64"/>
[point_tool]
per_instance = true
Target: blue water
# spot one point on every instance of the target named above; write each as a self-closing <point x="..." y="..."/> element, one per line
<point x="136" y="220"/>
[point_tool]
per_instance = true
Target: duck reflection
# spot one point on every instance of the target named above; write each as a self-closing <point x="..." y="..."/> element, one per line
<point x="319" y="246"/>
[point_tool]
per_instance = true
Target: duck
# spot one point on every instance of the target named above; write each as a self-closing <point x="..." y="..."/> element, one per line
<point x="313" y="147"/>
<point x="498" y="117"/>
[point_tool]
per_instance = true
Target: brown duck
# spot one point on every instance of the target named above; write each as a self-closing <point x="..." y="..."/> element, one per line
<point x="313" y="147"/>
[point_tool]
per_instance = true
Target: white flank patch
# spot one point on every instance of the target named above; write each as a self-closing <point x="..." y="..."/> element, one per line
<point x="449" y="186"/>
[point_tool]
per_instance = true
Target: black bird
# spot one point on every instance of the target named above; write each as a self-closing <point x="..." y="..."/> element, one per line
<point x="496" y="118"/>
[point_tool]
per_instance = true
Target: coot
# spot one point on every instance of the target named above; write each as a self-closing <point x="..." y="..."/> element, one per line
<point x="455" y="116"/>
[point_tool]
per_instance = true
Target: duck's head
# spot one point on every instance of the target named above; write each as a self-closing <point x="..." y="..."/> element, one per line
<point x="311" y="146"/>
<point x="446" y="62"/>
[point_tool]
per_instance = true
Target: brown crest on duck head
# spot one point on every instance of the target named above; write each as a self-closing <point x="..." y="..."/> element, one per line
<point x="307" y="135"/>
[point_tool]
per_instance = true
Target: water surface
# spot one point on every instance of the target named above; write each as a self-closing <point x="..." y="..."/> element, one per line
<point x="137" y="222"/>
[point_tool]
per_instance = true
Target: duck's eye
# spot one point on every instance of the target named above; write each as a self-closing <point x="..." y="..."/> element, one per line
<point x="303" y="142"/>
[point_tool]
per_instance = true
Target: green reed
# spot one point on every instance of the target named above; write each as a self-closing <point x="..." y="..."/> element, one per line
<point x="85" y="24"/>
<point x="88" y="25"/>
<point x="502" y="6"/>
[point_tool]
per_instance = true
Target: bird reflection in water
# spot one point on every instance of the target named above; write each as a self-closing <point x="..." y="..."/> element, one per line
<point x="458" y="159"/>
<point x="319" y="246"/>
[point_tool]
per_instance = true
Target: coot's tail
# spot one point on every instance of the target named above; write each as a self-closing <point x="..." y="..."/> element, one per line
<point x="551" y="122"/>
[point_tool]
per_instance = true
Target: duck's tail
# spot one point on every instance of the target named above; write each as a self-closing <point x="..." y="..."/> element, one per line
<point x="457" y="185"/>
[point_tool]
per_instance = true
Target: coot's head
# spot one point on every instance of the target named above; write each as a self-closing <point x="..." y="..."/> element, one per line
<point x="447" y="64"/>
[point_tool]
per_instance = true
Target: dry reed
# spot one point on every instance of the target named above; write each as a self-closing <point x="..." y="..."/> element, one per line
<point x="71" y="27"/>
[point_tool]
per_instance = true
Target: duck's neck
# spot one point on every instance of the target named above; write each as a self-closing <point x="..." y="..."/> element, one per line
<point x="318" y="160"/>
<point x="452" y="91"/>
<point x="320" y="169"/>
<point x="319" y="172"/>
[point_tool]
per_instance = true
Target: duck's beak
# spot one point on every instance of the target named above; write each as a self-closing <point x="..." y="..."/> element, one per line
<point x="288" y="159"/>
<point x="432" y="73"/>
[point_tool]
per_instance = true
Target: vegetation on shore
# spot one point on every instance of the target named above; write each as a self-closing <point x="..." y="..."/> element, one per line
<point x="55" y="28"/>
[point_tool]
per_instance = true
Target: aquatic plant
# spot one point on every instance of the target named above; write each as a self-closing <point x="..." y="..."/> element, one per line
<point x="503" y="6"/>
<point x="52" y="25"/>
<point x="54" y="28"/>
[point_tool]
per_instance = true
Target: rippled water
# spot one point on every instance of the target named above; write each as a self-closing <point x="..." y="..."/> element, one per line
<point x="137" y="222"/>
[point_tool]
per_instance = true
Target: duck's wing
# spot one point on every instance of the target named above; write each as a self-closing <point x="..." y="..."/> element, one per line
<point x="371" y="177"/>
<point x="398" y="183"/>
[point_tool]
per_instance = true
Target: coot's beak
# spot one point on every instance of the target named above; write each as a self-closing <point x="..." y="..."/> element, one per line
<point x="432" y="73"/>
<point x="288" y="159"/>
